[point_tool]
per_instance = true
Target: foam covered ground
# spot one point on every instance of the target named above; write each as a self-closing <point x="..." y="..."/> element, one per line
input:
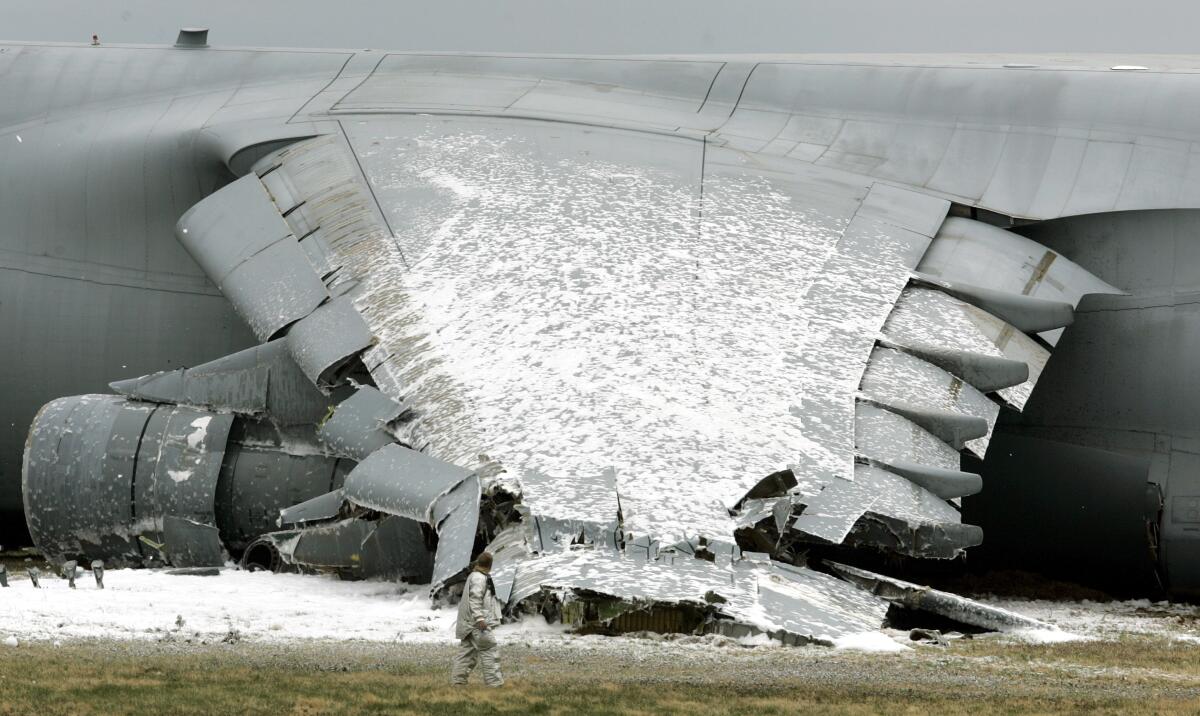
<point x="261" y="606"/>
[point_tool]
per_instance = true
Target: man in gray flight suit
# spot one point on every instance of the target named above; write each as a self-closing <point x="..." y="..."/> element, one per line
<point x="478" y="616"/>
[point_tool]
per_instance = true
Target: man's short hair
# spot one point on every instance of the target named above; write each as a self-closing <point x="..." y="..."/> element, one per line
<point x="484" y="560"/>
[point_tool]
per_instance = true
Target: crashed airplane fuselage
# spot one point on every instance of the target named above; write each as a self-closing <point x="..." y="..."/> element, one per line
<point x="654" y="329"/>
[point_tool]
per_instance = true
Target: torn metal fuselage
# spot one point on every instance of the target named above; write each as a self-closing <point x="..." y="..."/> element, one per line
<point x="544" y="334"/>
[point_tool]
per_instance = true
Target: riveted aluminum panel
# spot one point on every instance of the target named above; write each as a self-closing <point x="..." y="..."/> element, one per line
<point x="1157" y="172"/>
<point x="1101" y="176"/>
<point x="970" y="161"/>
<point x="1058" y="180"/>
<point x="915" y="153"/>
<point x="1019" y="174"/>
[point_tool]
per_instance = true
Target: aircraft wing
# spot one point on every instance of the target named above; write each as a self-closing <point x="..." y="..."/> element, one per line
<point x="619" y="308"/>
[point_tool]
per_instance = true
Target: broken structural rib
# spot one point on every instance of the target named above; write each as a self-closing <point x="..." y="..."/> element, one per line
<point x="951" y="606"/>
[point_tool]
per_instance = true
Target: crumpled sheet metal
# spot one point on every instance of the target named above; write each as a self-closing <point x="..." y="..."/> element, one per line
<point x="896" y="378"/>
<point x="261" y="381"/>
<point x="274" y="288"/>
<point x="563" y="280"/>
<point x="317" y="509"/>
<point x="326" y="338"/>
<point x="509" y="548"/>
<point x="400" y="481"/>
<point x="756" y="510"/>
<point x="549" y="534"/>
<point x="831" y="514"/>
<point x="358" y="426"/>
<point x="188" y="543"/>
<point x="456" y="530"/>
<point x="927" y="316"/>
<point x="770" y="597"/>
<point x="391" y="547"/>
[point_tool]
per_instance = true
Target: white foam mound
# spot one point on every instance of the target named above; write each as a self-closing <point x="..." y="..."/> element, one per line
<point x="1047" y="636"/>
<point x="869" y="641"/>
<point x="151" y="604"/>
